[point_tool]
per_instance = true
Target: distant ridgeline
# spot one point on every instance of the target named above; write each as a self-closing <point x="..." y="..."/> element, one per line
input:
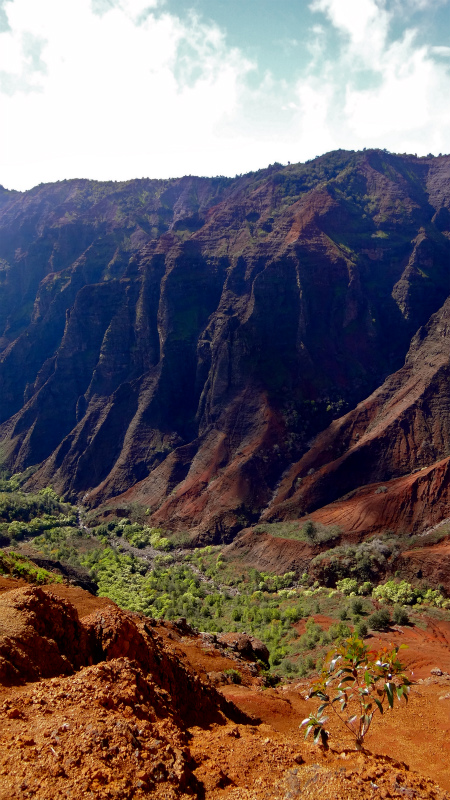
<point x="179" y="345"/>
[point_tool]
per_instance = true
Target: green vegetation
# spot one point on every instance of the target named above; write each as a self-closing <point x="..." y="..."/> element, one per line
<point x="20" y="567"/>
<point x="360" y="684"/>
<point x="299" y="178"/>
<point x="233" y="675"/>
<point x="404" y="593"/>
<point x="137" y="535"/>
<point x="363" y="562"/>
<point x="380" y="620"/>
<point x="310" y="532"/>
<point x="150" y="571"/>
<point x="23" y="514"/>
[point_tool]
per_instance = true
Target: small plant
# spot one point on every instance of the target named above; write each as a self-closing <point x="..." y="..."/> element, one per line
<point x="233" y="675"/>
<point x="360" y="682"/>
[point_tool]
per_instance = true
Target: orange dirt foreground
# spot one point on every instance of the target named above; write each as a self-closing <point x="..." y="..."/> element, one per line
<point x="99" y="703"/>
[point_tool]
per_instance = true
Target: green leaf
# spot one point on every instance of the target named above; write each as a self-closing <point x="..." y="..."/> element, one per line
<point x="390" y="693"/>
<point x="368" y="678"/>
<point x="308" y="730"/>
<point x="379" y="705"/>
<point x="317" y="734"/>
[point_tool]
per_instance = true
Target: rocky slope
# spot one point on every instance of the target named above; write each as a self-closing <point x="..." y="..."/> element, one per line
<point x="179" y="344"/>
<point x="402" y="428"/>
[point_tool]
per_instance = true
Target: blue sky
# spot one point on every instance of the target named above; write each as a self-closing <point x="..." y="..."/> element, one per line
<point x="117" y="89"/>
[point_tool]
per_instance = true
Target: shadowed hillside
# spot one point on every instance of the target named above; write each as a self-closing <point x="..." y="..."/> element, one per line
<point x="180" y="344"/>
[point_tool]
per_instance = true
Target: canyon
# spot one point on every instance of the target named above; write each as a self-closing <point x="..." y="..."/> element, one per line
<point x="226" y="351"/>
<point x="219" y="397"/>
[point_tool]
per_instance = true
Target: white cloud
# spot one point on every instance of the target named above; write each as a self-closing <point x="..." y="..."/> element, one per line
<point x="401" y="103"/>
<point x="112" y="98"/>
<point x="363" y="21"/>
<point x="440" y="50"/>
<point x="417" y="5"/>
<point x="121" y="88"/>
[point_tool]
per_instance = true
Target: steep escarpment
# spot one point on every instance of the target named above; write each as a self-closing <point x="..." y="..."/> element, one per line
<point x="401" y="428"/>
<point x="179" y="344"/>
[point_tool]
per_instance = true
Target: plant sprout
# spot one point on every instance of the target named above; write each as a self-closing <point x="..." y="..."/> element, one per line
<point x="354" y="684"/>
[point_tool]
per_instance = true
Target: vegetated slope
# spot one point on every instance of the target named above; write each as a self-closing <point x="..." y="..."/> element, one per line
<point x="179" y="343"/>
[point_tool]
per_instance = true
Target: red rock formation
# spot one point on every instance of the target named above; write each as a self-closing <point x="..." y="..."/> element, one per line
<point x="181" y="343"/>
<point x="402" y="427"/>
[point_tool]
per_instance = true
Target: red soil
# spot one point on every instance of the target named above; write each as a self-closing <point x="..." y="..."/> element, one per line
<point x="120" y="728"/>
<point x="270" y="553"/>
<point x="411" y="503"/>
<point x="431" y="563"/>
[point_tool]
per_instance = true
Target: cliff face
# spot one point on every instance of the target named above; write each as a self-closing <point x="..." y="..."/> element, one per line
<point x="181" y="343"/>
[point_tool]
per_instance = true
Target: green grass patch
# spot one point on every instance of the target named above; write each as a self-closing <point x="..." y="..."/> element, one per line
<point x="17" y="566"/>
<point x="310" y="532"/>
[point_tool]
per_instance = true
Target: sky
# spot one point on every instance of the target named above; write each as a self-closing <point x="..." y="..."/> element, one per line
<point x="121" y="89"/>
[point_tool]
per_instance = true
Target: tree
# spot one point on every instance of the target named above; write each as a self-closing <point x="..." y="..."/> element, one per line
<point x="359" y="682"/>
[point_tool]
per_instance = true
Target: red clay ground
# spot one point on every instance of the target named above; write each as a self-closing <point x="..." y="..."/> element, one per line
<point x="94" y="734"/>
<point x="418" y="733"/>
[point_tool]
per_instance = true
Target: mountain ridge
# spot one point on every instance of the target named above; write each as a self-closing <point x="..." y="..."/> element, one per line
<point x="180" y="344"/>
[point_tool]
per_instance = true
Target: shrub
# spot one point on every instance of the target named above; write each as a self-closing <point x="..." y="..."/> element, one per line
<point x="311" y="637"/>
<point x="339" y="631"/>
<point x="360" y="683"/>
<point x="435" y="598"/>
<point x="357" y="606"/>
<point x="380" y="620"/>
<point x="362" y="629"/>
<point x="393" y="592"/>
<point x="400" y="616"/>
<point x="347" y="586"/>
<point x="233" y="675"/>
